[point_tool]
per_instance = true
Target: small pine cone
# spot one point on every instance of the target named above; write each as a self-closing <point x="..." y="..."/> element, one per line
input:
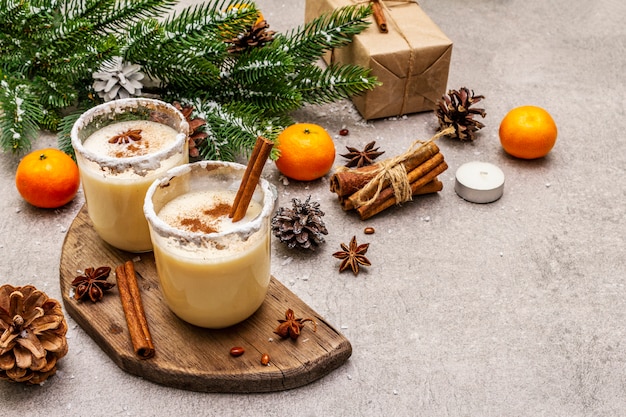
<point x="257" y="36"/>
<point x="33" y="334"/>
<point x="197" y="127"/>
<point x="454" y="110"/>
<point x="300" y="226"/>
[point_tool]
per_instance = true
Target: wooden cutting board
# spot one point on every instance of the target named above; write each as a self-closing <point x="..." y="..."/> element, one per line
<point x="190" y="357"/>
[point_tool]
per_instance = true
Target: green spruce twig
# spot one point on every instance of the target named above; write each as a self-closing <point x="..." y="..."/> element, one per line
<point x="50" y="49"/>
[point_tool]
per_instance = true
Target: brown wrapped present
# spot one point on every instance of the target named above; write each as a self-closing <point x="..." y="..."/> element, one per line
<point x="411" y="60"/>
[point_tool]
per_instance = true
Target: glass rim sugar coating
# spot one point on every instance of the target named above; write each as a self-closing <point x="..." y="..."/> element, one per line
<point x="106" y="113"/>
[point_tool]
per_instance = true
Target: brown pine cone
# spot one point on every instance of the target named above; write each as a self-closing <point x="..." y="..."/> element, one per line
<point x="33" y="334"/>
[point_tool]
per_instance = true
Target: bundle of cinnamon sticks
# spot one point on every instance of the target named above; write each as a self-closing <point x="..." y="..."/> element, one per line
<point x="368" y="191"/>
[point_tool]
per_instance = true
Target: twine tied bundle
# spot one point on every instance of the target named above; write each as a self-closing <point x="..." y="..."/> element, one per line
<point x="391" y="172"/>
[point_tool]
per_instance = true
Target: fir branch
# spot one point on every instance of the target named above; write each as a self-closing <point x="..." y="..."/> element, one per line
<point x="331" y="30"/>
<point x="20" y="116"/>
<point x="233" y="129"/>
<point x="54" y="94"/>
<point x="261" y="66"/>
<point x="223" y="18"/>
<point x="64" y="139"/>
<point x="120" y="15"/>
<point x="49" y="50"/>
<point x="11" y="11"/>
<point x="162" y="58"/>
<point x="325" y="85"/>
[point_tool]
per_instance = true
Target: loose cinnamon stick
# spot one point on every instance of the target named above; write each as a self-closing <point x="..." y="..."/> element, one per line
<point x="134" y="311"/>
<point x="345" y="183"/>
<point x="387" y="199"/>
<point x="250" y="178"/>
<point x="379" y="16"/>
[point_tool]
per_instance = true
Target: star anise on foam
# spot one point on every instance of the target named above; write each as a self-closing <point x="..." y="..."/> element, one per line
<point x="358" y="159"/>
<point x="352" y="256"/>
<point x="125" y="137"/>
<point x="92" y="284"/>
<point x="291" y="326"/>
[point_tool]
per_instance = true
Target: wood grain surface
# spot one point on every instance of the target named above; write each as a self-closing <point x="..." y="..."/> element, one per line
<point x="189" y="357"/>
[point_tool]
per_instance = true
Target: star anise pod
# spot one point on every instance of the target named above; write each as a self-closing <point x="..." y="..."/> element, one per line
<point x="196" y="133"/>
<point x="291" y="326"/>
<point x="358" y="159"/>
<point x="92" y="284"/>
<point x="130" y="135"/>
<point x="352" y="256"/>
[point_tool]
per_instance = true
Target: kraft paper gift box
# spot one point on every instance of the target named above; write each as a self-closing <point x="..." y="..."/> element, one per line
<point x="412" y="60"/>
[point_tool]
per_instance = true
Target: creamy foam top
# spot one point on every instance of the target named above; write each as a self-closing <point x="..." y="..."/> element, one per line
<point x="118" y="140"/>
<point x="205" y="212"/>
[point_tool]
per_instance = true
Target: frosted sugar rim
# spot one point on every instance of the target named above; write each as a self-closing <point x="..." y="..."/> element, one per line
<point x="244" y="230"/>
<point x="140" y="164"/>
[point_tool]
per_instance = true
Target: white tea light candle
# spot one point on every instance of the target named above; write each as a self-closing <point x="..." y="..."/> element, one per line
<point x="479" y="182"/>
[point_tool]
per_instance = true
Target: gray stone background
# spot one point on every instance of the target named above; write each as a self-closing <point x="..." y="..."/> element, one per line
<point x="515" y="308"/>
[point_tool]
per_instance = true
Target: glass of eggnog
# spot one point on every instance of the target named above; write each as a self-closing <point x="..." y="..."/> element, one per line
<point x="121" y="147"/>
<point x="214" y="272"/>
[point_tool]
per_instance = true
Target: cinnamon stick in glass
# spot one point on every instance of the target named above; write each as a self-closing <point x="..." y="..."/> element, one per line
<point x="250" y="178"/>
<point x="134" y="311"/>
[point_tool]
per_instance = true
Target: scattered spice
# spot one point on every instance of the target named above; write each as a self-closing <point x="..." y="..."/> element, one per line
<point x="344" y="132"/>
<point x="237" y="351"/>
<point x="369" y="230"/>
<point x="92" y="284"/>
<point x="265" y="359"/>
<point x="291" y="326"/>
<point x="126" y="137"/>
<point x="352" y="256"/>
<point x="358" y="159"/>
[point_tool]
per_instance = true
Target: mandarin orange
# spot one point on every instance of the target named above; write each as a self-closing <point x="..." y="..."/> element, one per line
<point x="47" y="178"/>
<point x="307" y="152"/>
<point x="528" y="132"/>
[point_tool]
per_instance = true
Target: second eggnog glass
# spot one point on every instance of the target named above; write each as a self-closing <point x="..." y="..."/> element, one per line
<point x="213" y="272"/>
<point x="121" y="147"/>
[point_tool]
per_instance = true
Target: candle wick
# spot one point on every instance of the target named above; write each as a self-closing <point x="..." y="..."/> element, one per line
<point x="484" y="172"/>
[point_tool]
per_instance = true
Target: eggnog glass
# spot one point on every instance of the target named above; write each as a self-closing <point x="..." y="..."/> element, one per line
<point x="213" y="272"/>
<point x="116" y="172"/>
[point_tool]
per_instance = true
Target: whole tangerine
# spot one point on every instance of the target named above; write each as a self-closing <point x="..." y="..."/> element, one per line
<point x="307" y="152"/>
<point x="47" y="178"/>
<point x="528" y="132"/>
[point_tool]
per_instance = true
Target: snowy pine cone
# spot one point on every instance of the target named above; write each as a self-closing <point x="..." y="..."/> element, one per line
<point x="118" y="79"/>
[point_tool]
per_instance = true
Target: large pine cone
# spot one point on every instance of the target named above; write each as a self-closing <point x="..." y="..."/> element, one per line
<point x="33" y="334"/>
